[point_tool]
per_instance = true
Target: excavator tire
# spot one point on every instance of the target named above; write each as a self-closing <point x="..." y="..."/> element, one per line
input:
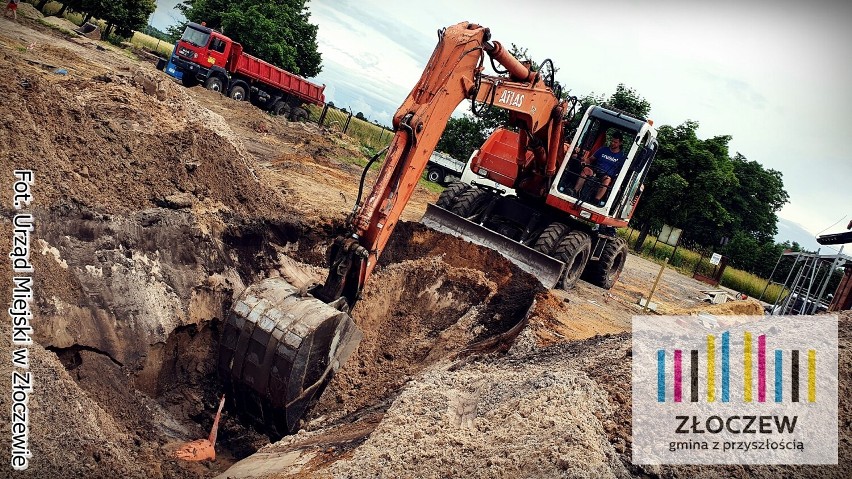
<point x="470" y="202"/>
<point x="574" y="250"/>
<point x="448" y="197"/>
<point x="279" y="348"/>
<point x="605" y="271"/>
<point x="549" y="238"/>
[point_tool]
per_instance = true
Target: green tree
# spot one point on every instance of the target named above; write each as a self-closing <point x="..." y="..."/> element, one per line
<point x="462" y="136"/>
<point x="122" y="15"/>
<point x="360" y="116"/>
<point x="278" y="31"/>
<point x="625" y="99"/>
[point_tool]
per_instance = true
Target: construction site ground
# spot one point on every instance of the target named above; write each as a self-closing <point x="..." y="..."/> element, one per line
<point x="155" y="205"/>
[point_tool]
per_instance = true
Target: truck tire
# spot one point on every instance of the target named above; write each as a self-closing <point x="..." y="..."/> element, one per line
<point x="574" y="250"/>
<point x="605" y="271"/>
<point x="549" y="238"/>
<point x="238" y="92"/>
<point x="281" y="108"/>
<point x="214" y="83"/>
<point x="298" y="114"/>
<point x="447" y="198"/>
<point x="471" y="202"/>
<point x="188" y="80"/>
<point x="435" y="175"/>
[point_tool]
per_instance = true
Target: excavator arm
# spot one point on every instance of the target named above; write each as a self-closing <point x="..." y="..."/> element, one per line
<point x="281" y="344"/>
<point x="453" y="74"/>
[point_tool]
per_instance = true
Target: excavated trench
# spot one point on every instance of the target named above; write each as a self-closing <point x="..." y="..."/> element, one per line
<point x="433" y="297"/>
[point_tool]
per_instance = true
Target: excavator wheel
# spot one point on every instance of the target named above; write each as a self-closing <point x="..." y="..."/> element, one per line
<point x="574" y="250"/>
<point x="279" y="348"/>
<point x="550" y="237"/>
<point x="605" y="271"/>
<point x="448" y="197"/>
<point x="471" y="202"/>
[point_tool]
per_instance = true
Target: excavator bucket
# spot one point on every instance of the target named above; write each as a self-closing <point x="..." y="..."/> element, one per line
<point x="279" y="348"/>
<point x="546" y="269"/>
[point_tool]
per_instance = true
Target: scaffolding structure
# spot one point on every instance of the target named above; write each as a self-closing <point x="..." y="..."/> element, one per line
<point x="805" y="286"/>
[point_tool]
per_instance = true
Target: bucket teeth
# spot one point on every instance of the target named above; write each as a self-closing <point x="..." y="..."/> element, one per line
<point x="278" y="351"/>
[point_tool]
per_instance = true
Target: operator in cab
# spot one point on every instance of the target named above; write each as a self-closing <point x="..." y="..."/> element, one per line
<point x="608" y="161"/>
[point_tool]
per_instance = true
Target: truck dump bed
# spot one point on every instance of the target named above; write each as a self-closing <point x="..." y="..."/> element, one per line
<point x="262" y="71"/>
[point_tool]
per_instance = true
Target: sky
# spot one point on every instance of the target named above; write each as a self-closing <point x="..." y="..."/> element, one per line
<point x="773" y="75"/>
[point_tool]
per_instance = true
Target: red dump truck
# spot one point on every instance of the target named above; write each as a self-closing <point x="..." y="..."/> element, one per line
<point x="206" y="56"/>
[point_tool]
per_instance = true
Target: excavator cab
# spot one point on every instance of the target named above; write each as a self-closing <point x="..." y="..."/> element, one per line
<point x="597" y="130"/>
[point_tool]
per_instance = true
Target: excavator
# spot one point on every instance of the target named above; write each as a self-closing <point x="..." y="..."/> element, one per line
<point x="552" y="213"/>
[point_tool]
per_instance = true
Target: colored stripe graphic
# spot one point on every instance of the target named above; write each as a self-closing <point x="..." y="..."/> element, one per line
<point x="711" y="368"/>
<point x="761" y="368"/>
<point x="661" y="375"/>
<point x="779" y="390"/>
<point x="811" y="375"/>
<point x="794" y="376"/>
<point x="747" y="366"/>
<point x="726" y="367"/>
<point x="693" y="375"/>
<point x="677" y="376"/>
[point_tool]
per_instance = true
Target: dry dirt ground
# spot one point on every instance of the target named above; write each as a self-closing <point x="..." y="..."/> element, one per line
<point x="155" y="205"/>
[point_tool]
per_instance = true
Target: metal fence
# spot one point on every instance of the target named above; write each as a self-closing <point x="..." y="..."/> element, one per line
<point x="370" y="135"/>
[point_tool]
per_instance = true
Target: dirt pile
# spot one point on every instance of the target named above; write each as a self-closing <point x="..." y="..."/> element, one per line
<point x="520" y="418"/>
<point x="107" y="145"/>
<point x="28" y="11"/>
<point x="748" y="307"/>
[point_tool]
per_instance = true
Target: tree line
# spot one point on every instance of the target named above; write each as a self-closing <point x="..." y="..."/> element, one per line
<point x="122" y="17"/>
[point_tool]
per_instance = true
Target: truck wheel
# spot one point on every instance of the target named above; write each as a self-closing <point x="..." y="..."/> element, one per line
<point x="574" y="250"/>
<point x="238" y="93"/>
<point x="298" y="114"/>
<point x="435" y="175"/>
<point x="214" y="84"/>
<point x="549" y="238"/>
<point x="447" y="198"/>
<point x="471" y="202"/>
<point x="281" y="109"/>
<point x="605" y="271"/>
<point x="188" y="80"/>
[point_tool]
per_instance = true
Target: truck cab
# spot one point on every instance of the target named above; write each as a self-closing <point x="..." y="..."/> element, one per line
<point x="201" y="50"/>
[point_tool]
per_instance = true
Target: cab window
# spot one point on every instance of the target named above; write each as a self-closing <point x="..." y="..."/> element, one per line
<point x="218" y="45"/>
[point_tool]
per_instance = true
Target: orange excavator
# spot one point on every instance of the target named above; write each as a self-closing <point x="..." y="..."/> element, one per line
<point x="552" y="213"/>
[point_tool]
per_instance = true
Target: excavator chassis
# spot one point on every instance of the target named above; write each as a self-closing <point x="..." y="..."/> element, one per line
<point x="547" y="269"/>
<point x="279" y="348"/>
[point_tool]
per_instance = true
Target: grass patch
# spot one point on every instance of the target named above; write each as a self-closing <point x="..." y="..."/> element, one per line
<point x="369" y="136"/>
<point x="153" y="44"/>
<point x="64" y="31"/>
